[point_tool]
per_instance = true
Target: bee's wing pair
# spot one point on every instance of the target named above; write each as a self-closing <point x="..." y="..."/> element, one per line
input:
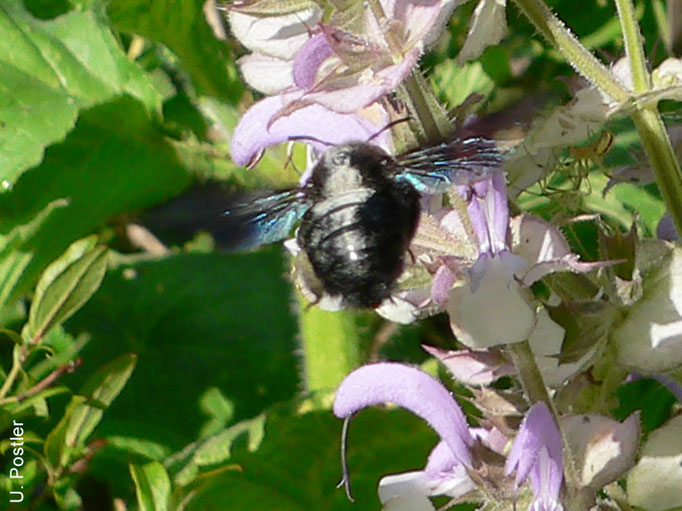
<point x="243" y="222"/>
<point x="271" y="217"/>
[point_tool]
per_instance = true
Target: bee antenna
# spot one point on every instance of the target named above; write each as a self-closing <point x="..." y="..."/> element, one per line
<point x="389" y="126"/>
<point x="295" y="138"/>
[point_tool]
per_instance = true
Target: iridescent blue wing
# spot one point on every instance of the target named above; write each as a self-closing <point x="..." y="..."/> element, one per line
<point x="237" y="222"/>
<point x="462" y="161"/>
<point x="266" y="217"/>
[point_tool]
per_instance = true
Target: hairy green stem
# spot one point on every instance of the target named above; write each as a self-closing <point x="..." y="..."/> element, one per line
<point x="634" y="50"/>
<point x="554" y="30"/>
<point x="648" y="121"/>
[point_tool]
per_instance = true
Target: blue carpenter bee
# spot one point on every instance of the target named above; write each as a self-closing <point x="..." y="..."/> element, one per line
<point x="358" y="212"/>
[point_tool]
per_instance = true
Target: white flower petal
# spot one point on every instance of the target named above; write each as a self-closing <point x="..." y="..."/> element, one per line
<point x="277" y="36"/>
<point x="408" y="484"/>
<point x="604" y="448"/>
<point x="495" y="313"/>
<point x="545" y="341"/>
<point x="266" y="74"/>
<point x="650" y="337"/>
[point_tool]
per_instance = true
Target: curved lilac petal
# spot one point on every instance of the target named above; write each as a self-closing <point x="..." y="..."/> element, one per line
<point x="308" y="60"/>
<point x="440" y="459"/>
<point x="269" y="75"/>
<point x="537" y="431"/>
<point x="489" y="213"/>
<point x="442" y="283"/>
<point x="256" y="130"/>
<point x="412" y="389"/>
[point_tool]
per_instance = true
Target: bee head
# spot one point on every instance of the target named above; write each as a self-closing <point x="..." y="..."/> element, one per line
<point x="352" y="166"/>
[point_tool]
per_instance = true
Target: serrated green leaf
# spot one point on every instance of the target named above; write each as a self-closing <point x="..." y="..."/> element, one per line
<point x="218" y="408"/>
<point x="85" y="411"/>
<point x="50" y="70"/>
<point x="66" y="285"/>
<point x="138" y="447"/>
<point x="152" y="486"/>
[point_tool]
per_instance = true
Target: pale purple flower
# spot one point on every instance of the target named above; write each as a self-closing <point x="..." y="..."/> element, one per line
<point x="536" y="453"/>
<point x="410" y="388"/>
<point x="341" y="67"/>
<point x="470" y="367"/>
<point x="318" y="126"/>
<point x="513" y="254"/>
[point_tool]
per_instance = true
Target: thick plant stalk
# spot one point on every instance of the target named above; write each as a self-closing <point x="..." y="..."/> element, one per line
<point x="647" y="119"/>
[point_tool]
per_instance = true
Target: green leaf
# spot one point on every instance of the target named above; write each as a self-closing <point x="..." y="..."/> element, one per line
<point x="152" y="486"/>
<point x="218" y="448"/>
<point x="14" y="259"/>
<point x="180" y="25"/>
<point x="219" y="409"/>
<point x="197" y="321"/>
<point x="66" y="285"/>
<point x="455" y="83"/>
<point x="52" y="69"/>
<point x="299" y="474"/>
<point x="117" y="159"/>
<point x="85" y="411"/>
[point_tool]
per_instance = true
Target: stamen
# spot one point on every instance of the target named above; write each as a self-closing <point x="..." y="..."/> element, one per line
<point x="345" y="481"/>
<point x="295" y="138"/>
<point x="389" y="126"/>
